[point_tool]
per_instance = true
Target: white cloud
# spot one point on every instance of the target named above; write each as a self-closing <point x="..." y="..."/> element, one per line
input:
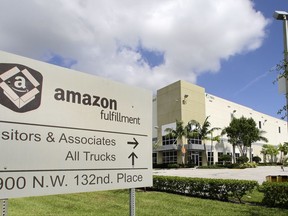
<point x="103" y="35"/>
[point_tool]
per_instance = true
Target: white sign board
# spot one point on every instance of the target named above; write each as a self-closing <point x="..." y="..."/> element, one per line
<point x="63" y="131"/>
<point x="282" y="85"/>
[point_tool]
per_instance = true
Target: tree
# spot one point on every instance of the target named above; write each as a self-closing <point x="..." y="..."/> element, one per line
<point x="283" y="148"/>
<point x="203" y="132"/>
<point x="180" y="132"/>
<point x="242" y="133"/>
<point x="242" y="159"/>
<point x="225" y="158"/>
<point x="253" y="135"/>
<point x="264" y="151"/>
<point x="233" y="136"/>
<point x="271" y="150"/>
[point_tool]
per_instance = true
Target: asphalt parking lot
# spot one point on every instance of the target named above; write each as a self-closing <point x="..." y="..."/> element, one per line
<point x="258" y="174"/>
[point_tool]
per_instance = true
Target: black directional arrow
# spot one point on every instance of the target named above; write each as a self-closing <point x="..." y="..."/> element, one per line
<point x="133" y="155"/>
<point x="135" y="143"/>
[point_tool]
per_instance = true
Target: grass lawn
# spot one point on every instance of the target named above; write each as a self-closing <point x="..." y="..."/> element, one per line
<point x="148" y="203"/>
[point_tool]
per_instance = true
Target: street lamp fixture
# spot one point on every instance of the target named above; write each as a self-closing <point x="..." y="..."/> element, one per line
<point x="283" y="15"/>
<point x="280" y="15"/>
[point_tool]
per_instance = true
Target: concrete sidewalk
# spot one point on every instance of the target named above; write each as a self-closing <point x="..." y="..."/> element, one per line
<point x="258" y="174"/>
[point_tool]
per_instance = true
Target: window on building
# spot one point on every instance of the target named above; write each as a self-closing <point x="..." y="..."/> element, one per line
<point x="279" y="129"/>
<point x="169" y="157"/>
<point x="237" y="155"/>
<point x="200" y="159"/>
<point x="168" y="140"/>
<point x="230" y="153"/>
<point x="260" y="125"/>
<point x="210" y="158"/>
<point x="194" y="141"/>
<point x="220" y="154"/>
<point x="154" y="158"/>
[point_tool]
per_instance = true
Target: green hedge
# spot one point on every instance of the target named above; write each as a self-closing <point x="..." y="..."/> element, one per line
<point x="220" y="189"/>
<point x="172" y="166"/>
<point x="275" y="194"/>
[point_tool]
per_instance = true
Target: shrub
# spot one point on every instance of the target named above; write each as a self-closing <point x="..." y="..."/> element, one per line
<point x="225" y="158"/>
<point x="161" y="166"/>
<point x="275" y="194"/>
<point x="233" y="166"/>
<point x="242" y="159"/>
<point x="166" y="166"/>
<point x="190" y="165"/>
<point x="173" y="166"/>
<point x="248" y="165"/>
<point x="220" y="189"/>
<point x="214" y="166"/>
<point x="267" y="164"/>
<point x="256" y="159"/>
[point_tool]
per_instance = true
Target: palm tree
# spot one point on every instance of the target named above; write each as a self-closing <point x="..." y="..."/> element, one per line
<point x="264" y="151"/>
<point x="270" y="150"/>
<point x="180" y="132"/>
<point x="203" y="132"/>
<point x="232" y="138"/>
<point x="283" y="148"/>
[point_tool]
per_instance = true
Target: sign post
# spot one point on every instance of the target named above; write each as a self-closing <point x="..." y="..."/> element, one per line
<point x="4" y="207"/>
<point x="63" y="131"/>
<point x="132" y="201"/>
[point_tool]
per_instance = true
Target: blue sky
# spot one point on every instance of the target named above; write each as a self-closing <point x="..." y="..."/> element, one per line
<point x="226" y="46"/>
<point x="251" y="83"/>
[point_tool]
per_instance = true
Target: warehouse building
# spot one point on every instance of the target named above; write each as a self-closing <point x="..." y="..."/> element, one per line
<point x="185" y="102"/>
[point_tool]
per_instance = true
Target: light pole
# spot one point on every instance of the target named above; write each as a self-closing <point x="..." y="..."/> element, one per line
<point x="283" y="15"/>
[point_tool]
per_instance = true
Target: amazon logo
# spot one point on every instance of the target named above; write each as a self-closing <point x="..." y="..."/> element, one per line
<point x="20" y="87"/>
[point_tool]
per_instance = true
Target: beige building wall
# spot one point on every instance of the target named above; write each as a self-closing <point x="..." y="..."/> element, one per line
<point x="221" y="112"/>
<point x="185" y="101"/>
<point x="179" y="101"/>
<point x="193" y="103"/>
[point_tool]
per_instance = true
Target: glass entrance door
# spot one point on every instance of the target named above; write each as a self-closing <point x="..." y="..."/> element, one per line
<point x="195" y="159"/>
